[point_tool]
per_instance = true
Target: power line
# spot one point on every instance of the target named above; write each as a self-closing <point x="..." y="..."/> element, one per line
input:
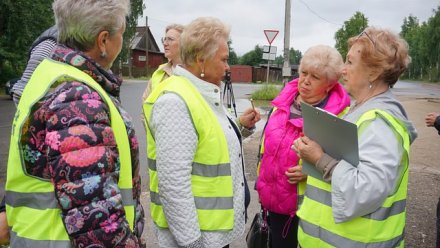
<point x="159" y="20"/>
<point x="316" y="14"/>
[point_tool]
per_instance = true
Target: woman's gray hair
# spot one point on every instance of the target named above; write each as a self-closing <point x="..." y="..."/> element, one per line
<point x="80" y="21"/>
<point x="201" y="38"/>
<point x="325" y="59"/>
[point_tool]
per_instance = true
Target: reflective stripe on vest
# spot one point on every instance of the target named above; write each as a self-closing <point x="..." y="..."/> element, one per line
<point x="329" y="239"/>
<point x="301" y="190"/>
<point x="302" y="185"/>
<point x="211" y="179"/>
<point x="382" y="228"/>
<point x="17" y="241"/>
<point x="32" y="198"/>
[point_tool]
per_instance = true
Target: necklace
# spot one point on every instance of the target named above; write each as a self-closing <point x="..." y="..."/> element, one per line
<point x="357" y="104"/>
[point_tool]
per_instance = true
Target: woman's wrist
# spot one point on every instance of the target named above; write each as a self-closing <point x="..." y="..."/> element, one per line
<point x="326" y="164"/>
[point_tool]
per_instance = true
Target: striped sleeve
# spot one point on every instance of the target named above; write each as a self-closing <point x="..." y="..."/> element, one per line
<point x="40" y="52"/>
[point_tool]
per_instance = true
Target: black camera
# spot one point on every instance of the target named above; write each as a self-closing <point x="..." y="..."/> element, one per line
<point x="228" y="92"/>
<point x="227" y="77"/>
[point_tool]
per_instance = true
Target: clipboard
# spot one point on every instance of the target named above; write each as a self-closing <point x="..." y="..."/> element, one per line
<point x="337" y="137"/>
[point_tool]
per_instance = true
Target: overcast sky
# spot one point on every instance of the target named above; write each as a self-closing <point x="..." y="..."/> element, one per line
<point x="312" y="21"/>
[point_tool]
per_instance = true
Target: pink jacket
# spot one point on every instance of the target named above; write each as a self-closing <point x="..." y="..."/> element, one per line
<point x="276" y="194"/>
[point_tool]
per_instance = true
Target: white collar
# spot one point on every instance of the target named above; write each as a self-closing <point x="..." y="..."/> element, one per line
<point x="210" y="91"/>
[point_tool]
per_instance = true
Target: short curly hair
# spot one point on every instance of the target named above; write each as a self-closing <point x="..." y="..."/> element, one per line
<point x="383" y="51"/>
<point x="80" y="21"/>
<point x="201" y="38"/>
<point x="178" y="27"/>
<point x="324" y="59"/>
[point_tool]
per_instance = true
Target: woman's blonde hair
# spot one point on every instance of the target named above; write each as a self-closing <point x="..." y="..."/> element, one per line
<point x="201" y="38"/>
<point x="80" y="21"/>
<point x="325" y="59"/>
<point x="383" y="51"/>
<point x="179" y="28"/>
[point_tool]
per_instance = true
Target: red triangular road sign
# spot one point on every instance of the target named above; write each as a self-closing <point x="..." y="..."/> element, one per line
<point x="270" y="35"/>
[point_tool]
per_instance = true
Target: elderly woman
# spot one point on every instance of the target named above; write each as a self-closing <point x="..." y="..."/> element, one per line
<point x="363" y="205"/>
<point x="195" y="159"/>
<point x="73" y="169"/>
<point x="279" y="171"/>
<point x="172" y="53"/>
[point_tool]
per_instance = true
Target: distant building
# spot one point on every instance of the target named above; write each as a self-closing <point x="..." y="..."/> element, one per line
<point x="257" y="74"/>
<point x="137" y="46"/>
<point x="241" y="73"/>
<point x="138" y="56"/>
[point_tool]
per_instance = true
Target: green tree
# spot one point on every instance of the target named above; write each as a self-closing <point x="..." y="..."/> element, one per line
<point x="433" y="45"/>
<point x="410" y="32"/>
<point x="424" y="47"/>
<point x="279" y="60"/>
<point x="295" y="56"/>
<point x="354" y="26"/>
<point x="21" y="21"/>
<point x="233" y="58"/>
<point x="253" y="58"/>
<point x="137" y="8"/>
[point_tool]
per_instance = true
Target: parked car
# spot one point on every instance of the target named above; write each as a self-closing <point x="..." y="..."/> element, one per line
<point x="9" y="85"/>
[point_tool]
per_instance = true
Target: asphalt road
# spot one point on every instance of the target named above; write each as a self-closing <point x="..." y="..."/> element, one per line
<point x="424" y="186"/>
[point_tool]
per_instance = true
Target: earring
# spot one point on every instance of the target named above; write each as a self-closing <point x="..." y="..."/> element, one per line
<point x="202" y="75"/>
<point x="103" y="55"/>
<point x="371" y="85"/>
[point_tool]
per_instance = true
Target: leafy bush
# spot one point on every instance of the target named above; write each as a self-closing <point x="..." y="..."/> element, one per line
<point x="6" y="73"/>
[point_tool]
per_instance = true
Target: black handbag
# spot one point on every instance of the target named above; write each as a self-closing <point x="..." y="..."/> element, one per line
<point x="259" y="232"/>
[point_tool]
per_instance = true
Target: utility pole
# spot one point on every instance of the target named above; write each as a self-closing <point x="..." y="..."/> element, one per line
<point x="287" y="71"/>
<point x="147" y="40"/>
<point x="130" y="62"/>
<point x="268" y="68"/>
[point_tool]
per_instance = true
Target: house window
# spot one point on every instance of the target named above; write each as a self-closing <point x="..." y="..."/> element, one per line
<point x="142" y="58"/>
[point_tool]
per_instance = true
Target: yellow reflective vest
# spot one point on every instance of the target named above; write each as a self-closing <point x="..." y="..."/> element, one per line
<point x="211" y="179"/>
<point x="32" y="210"/>
<point x="158" y="76"/>
<point x="382" y="228"/>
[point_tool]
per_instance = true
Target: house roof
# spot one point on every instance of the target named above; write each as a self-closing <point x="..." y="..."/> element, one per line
<point x="138" y="41"/>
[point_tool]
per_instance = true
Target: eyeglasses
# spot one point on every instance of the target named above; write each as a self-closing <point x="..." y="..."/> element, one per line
<point x="368" y="36"/>
<point x="167" y="39"/>
<point x="374" y="43"/>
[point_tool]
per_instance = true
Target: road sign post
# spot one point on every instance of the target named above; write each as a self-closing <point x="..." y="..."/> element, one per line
<point x="270" y="36"/>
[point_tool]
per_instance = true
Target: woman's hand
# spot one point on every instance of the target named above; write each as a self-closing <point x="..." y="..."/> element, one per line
<point x="295" y="175"/>
<point x="308" y="149"/>
<point x="249" y="117"/>
<point x="4" y="229"/>
<point x="430" y="119"/>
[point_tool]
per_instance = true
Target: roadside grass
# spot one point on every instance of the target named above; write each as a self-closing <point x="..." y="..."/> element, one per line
<point x="262" y="98"/>
<point x="267" y="93"/>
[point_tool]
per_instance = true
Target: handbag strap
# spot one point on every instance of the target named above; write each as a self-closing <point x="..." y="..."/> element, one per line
<point x="265" y="215"/>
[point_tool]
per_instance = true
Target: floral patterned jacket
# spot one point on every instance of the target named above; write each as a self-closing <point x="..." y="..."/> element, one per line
<point x="68" y="140"/>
